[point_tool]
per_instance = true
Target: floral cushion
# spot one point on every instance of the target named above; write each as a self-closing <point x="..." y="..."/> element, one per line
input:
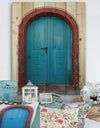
<point x="84" y="108"/>
<point x="58" y="118"/>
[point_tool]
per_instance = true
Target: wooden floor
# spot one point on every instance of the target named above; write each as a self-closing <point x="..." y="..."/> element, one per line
<point x="94" y="113"/>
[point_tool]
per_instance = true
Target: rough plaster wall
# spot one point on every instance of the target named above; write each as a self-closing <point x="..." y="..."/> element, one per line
<point x="76" y="9"/>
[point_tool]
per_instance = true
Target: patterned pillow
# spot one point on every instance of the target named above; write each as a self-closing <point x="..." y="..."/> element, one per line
<point x="58" y="118"/>
<point x="84" y="108"/>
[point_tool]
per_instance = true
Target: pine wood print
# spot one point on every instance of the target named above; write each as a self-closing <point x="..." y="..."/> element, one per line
<point x="21" y="10"/>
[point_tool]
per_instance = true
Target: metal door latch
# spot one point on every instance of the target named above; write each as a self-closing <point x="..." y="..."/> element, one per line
<point x="45" y="49"/>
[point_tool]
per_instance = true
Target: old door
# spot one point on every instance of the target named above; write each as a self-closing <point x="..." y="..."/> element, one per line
<point x="49" y="51"/>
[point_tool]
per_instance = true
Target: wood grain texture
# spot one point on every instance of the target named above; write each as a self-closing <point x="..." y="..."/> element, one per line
<point x="76" y="10"/>
<point x="27" y="7"/>
<point x="81" y="21"/>
<point x="22" y="42"/>
<point x="71" y="9"/>
<point x="95" y="110"/>
<point x="56" y="67"/>
<point x="16" y="20"/>
<point x="61" y="5"/>
<point x="94" y="113"/>
<point x="38" y="5"/>
<point x="49" y="4"/>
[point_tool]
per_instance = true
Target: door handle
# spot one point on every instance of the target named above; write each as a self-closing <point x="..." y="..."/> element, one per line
<point x="45" y="49"/>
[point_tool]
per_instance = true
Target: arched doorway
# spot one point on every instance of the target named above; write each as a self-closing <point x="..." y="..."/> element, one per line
<point x="22" y="42"/>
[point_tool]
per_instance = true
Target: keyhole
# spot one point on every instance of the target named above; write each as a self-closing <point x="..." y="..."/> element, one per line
<point x="29" y="57"/>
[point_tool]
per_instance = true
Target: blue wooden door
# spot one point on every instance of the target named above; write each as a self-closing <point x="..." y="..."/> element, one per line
<point x="49" y="51"/>
<point x="14" y="118"/>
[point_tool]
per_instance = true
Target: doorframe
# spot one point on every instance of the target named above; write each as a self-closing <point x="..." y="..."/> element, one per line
<point x="22" y="42"/>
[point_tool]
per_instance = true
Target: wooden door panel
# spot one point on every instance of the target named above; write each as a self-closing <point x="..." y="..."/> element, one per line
<point x="35" y="42"/>
<point x="68" y="53"/>
<point x="49" y="45"/>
